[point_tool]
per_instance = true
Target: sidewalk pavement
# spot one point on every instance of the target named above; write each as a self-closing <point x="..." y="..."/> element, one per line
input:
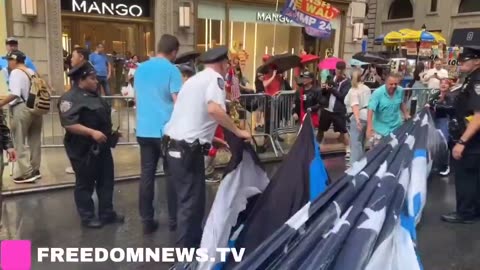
<point x="127" y="165"/>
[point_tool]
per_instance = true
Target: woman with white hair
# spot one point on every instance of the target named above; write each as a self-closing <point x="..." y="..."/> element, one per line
<point x="357" y="109"/>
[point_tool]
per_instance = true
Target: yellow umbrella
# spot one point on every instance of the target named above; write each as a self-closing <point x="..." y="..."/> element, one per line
<point x="393" y="38"/>
<point x="418" y="36"/>
<point x="426" y="36"/>
<point x="438" y="37"/>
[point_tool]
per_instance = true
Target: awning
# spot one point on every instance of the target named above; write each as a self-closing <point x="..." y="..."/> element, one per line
<point x="465" y="37"/>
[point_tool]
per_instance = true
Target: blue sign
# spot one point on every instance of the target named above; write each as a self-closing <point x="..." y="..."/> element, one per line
<point x="317" y="33"/>
<point x="316" y="26"/>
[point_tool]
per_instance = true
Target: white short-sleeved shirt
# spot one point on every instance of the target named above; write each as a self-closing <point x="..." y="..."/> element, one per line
<point x="19" y="85"/>
<point x="434" y="83"/>
<point x="190" y="119"/>
<point x="359" y="96"/>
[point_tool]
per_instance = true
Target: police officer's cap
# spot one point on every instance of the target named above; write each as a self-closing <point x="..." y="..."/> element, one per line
<point x="214" y="55"/>
<point x="82" y="71"/>
<point x="469" y="53"/>
<point x="16" y="55"/>
<point x="186" y="69"/>
<point x="11" y="41"/>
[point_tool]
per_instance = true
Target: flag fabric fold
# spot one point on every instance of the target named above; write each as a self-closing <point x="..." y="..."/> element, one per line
<point x="244" y="178"/>
<point x="367" y="218"/>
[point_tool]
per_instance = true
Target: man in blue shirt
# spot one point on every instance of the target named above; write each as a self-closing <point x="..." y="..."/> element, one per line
<point x="11" y="44"/>
<point x="157" y="82"/>
<point x="386" y="109"/>
<point x="103" y="68"/>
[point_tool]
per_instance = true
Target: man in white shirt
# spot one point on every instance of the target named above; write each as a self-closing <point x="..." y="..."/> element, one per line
<point x="25" y="125"/>
<point x="433" y="76"/>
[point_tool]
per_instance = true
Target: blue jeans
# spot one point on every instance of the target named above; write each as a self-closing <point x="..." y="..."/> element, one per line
<point x="103" y="83"/>
<point x="442" y="125"/>
<point x="357" y="140"/>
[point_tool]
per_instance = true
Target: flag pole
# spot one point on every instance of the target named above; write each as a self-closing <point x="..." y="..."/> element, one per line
<point x="275" y="30"/>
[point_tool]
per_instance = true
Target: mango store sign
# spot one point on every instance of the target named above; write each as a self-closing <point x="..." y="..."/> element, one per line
<point x="272" y="17"/>
<point x="123" y="8"/>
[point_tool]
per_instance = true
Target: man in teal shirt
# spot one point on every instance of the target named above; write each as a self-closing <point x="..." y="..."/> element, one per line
<point x="386" y="109"/>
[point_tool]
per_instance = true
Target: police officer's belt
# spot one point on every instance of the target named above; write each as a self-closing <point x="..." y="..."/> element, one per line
<point x="196" y="146"/>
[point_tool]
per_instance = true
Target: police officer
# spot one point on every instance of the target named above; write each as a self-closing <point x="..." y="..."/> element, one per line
<point x="465" y="131"/>
<point x="86" y="118"/>
<point x="200" y="107"/>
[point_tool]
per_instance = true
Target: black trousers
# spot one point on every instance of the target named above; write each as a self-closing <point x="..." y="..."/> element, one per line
<point x="150" y="154"/>
<point x="467" y="185"/>
<point x="187" y="174"/>
<point x="94" y="172"/>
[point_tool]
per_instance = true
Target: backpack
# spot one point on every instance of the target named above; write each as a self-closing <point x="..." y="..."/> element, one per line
<point x="39" y="96"/>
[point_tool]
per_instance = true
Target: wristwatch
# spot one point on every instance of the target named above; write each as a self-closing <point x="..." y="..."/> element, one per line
<point x="461" y="142"/>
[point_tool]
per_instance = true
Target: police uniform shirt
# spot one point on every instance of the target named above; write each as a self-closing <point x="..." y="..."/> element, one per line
<point x="190" y="119"/>
<point x="85" y="108"/>
<point x="471" y="97"/>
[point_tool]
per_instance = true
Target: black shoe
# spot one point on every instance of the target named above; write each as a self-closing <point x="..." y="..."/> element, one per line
<point x="150" y="227"/>
<point x="113" y="219"/>
<point x="454" y="217"/>
<point x="92" y="224"/>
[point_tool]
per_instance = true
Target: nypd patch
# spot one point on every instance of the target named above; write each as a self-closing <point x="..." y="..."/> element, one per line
<point x="65" y="106"/>
<point x="476" y="87"/>
<point x="221" y="83"/>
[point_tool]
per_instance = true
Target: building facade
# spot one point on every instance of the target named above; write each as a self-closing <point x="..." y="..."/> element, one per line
<point x="3" y="36"/>
<point x="51" y="28"/>
<point x="457" y="20"/>
<point x="253" y="28"/>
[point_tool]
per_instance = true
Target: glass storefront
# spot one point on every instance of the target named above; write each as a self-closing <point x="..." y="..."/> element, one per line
<point x="124" y="28"/>
<point x="252" y="32"/>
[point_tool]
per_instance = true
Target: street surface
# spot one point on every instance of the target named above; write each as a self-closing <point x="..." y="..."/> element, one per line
<point x="49" y="219"/>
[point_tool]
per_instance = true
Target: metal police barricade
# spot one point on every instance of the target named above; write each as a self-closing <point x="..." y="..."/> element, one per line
<point x="123" y="116"/>
<point x="281" y="116"/>
<point x="419" y="97"/>
<point x="253" y="113"/>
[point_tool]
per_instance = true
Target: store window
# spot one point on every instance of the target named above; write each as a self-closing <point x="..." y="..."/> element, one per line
<point x="433" y="5"/>
<point x="400" y="9"/>
<point x="211" y="26"/>
<point x="253" y="31"/>
<point x="467" y="6"/>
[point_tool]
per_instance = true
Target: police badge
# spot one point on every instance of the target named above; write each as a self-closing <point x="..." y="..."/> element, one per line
<point x="65" y="106"/>
<point x="221" y="83"/>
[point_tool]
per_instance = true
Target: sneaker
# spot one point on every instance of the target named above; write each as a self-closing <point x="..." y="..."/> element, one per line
<point x="37" y="174"/>
<point x="69" y="170"/>
<point x="446" y="172"/>
<point x="27" y="179"/>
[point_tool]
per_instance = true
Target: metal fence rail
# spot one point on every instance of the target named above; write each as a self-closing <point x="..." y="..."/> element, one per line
<point x="265" y="116"/>
<point x="123" y="116"/>
<point x="253" y="113"/>
<point x="419" y="97"/>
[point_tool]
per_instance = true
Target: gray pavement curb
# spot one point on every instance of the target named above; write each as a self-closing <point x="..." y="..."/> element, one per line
<point x="10" y="193"/>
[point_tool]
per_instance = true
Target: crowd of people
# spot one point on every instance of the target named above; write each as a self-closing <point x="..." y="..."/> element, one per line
<point x="181" y="115"/>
